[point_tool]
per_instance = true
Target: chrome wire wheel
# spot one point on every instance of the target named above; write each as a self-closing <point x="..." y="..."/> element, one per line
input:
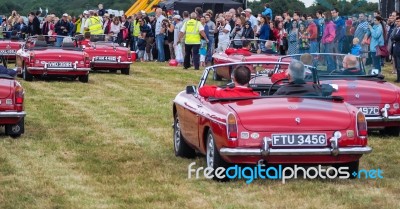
<point x="177" y="135"/>
<point x="210" y="151"/>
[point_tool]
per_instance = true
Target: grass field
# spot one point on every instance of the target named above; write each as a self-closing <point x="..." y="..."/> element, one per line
<point x="108" y="144"/>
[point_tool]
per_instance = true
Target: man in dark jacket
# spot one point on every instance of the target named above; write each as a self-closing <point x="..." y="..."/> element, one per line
<point x="297" y="85"/>
<point x="62" y="28"/>
<point x="34" y="25"/>
<point x="351" y="65"/>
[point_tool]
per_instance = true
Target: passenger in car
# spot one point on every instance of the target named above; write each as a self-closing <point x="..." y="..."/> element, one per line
<point x="350" y="65"/>
<point x="297" y="85"/>
<point x="86" y="41"/>
<point x="245" y="50"/>
<point x="305" y="58"/>
<point x="240" y="77"/>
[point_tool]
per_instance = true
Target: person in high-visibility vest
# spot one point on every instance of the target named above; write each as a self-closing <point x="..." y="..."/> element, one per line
<point x="94" y="24"/>
<point x="193" y="31"/>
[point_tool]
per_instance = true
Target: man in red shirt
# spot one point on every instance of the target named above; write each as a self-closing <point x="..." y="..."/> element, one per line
<point x="240" y="77"/>
<point x="245" y="50"/>
<point x="313" y="34"/>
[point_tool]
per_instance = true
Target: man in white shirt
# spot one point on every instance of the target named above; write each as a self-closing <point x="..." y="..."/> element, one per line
<point x="159" y="36"/>
<point x="223" y="34"/>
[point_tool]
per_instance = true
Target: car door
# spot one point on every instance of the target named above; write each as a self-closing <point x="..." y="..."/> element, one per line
<point x="190" y="121"/>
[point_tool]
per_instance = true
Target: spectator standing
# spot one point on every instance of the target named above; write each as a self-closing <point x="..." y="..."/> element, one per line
<point x="62" y="28"/>
<point x="193" y="29"/>
<point x="169" y="28"/>
<point x="396" y="48"/>
<point x="360" y="33"/>
<point x="135" y="31"/>
<point x="377" y="34"/>
<point x="203" y="42"/>
<point x="101" y="10"/>
<point x="320" y="22"/>
<point x="237" y="33"/>
<point x="115" y="29"/>
<point x="312" y="31"/>
<point x="48" y="26"/>
<point x="34" y="25"/>
<point x="264" y="32"/>
<point x="148" y="36"/>
<point x="159" y="35"/>
<point x="340" y="31"/>
<point x="304" y="44"/>
<point x="281" y="37"/>
<point x="21" y="28"/>
<point x="94" y="24"/>
<point x="106" y="23"/>
<point x="248" y="32"/>
<point x="251" y="17"/>
<point x="223" y="34"/>
<point x="293" y="39"/>
<point x="267" y="11"/>
<point x="328" y="40"/>
<point x="211" y="40"/>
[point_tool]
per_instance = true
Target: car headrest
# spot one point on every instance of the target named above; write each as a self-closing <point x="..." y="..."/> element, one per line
<point x="68" y="45"/>
<point x="40" y="44"/>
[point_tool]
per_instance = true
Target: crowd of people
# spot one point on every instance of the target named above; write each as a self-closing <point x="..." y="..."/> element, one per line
<point x="161" y="35"/>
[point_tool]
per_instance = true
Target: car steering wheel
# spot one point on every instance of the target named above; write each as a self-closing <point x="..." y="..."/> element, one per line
<point x="276" y="82"/>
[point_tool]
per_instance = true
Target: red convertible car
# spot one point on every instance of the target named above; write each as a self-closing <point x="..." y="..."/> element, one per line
<point x="38" y="58"/>
<point x="378" y="99"/>
<point x="9" y="48"/>
<point x="235" y="54"/>
<point x="109" y="56"/>
<point x="310" y="130"/>
<point x="11" y="105"/>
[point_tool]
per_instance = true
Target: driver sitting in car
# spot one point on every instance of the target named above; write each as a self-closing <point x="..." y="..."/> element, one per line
<point x="297" y="85"/>
<point x="350" y="65"/>
<point x="245" y="50"/>
<point x="305" y="58"/>
<point x="240" y="77"/>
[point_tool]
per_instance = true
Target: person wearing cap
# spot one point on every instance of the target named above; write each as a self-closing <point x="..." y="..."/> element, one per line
<point x="62" y="28"/>
<point x="94" y="24"/>
<point x="251" y="18"/>
<point x="193" y="30"/>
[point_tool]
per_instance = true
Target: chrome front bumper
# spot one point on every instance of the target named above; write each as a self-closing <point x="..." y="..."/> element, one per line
<point x="266" y="150"/>
<point x="12" y="114"/>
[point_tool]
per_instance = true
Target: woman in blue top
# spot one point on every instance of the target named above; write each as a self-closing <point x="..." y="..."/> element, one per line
<point x="292" y="39"/>
<point x="377" y="33"/>
<point x="264" y="32"/>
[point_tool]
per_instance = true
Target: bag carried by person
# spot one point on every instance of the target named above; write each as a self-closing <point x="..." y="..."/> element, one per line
<point x="382" y="51"/>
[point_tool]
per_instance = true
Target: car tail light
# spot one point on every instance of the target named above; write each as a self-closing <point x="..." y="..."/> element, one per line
<point x="129" y="54"/>
<point x="232" y="127"/>
<point x="87" y="58"/>
<point x="19" y="97"/>
<point x="361" y="124"/>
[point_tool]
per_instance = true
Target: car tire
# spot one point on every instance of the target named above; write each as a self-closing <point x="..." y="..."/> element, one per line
<point x="391" y="131"/>
<point x="213" y="158"/>
<point x="216" y="77"/>
<point x="15" y="130"/>
<point x="125" y="71"/>
<point x="26" y="75"/>
<point x="181" y="148"/>
<point x="84" y="78"/>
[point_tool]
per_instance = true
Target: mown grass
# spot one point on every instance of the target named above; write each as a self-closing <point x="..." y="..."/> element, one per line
<point x="108" y="144"/>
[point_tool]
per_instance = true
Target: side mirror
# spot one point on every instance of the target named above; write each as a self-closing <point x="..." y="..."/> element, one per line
<point x="373" y="72"/>
<point x="190" y="89"/>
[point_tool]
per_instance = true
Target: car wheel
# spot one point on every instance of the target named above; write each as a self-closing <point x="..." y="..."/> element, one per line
<point x="113" y="71"/>
<point x="125" y="71"/>
<point x="26" y="75"/>
<point x="216" y="77"/>
<point x="181" y="148"/>
<point x="391" y="131"/>
<point x="84" y="78"/>
<point x="16" y="130"/>
<point x="213" y="157"/>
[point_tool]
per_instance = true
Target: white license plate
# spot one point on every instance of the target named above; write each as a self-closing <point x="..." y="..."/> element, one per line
<point x="299" y="139"/>
<point x="6" y="52"/>
<point x="369" y="110"/>
<point x="105" y="58"/>
<point x="59" y="64"/>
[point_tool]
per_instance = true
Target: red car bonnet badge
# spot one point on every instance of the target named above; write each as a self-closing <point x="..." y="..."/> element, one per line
<point x="297" y="120"/>
<point x="357" y="96"/>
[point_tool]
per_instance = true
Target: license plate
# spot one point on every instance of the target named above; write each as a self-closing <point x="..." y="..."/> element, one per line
<point x="59" y="64"/>
<point x="105" y="58"/>
<point x="10" y="51"/>
<point x="299" y="139"/>
<point x="369" y="110"/>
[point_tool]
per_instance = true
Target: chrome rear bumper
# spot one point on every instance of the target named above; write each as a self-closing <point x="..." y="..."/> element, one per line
<point x="266" y="150"/>
<point x="58" y="69"/>
<point x="12" y="114"/>
<point x="382" y="119"/>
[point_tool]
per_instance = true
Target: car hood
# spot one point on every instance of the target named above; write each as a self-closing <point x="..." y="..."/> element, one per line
<point x="6" y="86"/>
<point x="362" y="92"/>
<point x="292" y="114"/>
